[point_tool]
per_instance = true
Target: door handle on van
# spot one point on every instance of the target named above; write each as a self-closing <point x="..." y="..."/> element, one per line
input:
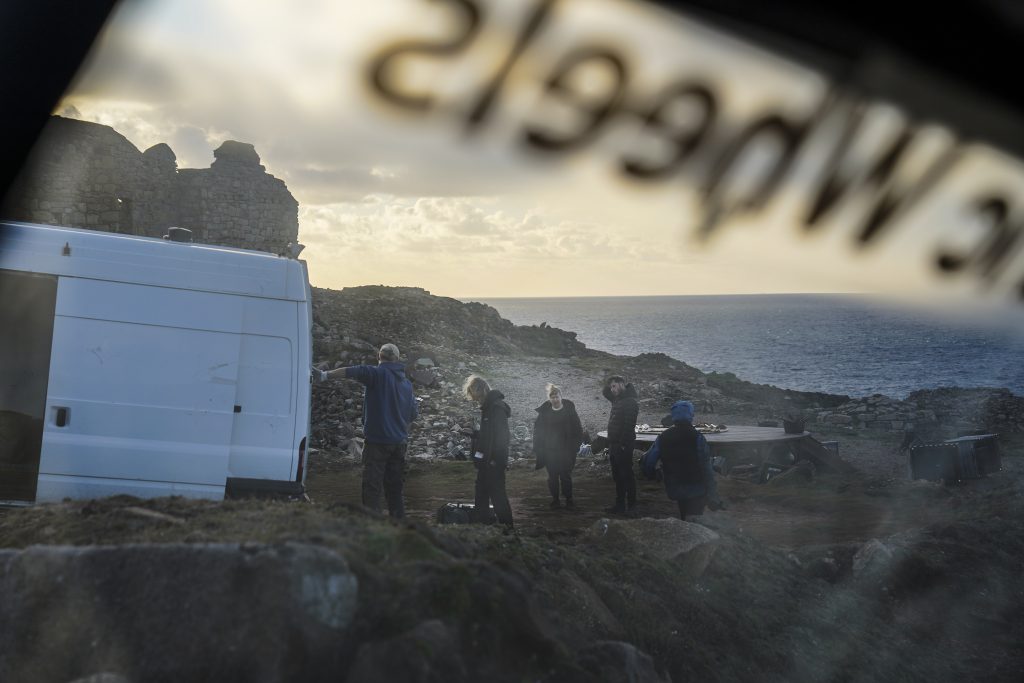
<point x="60" y="416"/>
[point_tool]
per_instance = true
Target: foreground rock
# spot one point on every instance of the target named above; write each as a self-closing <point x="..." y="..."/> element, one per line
<point x="690" y="546"/>
<point x="174" y="612"/>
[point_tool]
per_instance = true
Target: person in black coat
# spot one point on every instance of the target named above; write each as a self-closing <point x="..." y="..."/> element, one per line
<point x="490" y="451"/>
<point x="621" y="435"/>
<point x="557" y="434"/>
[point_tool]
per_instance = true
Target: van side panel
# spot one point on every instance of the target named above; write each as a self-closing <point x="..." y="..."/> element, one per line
<point x="97" y="487"/>
<point x="174" y="367"/>
<point x="146" y="380"/>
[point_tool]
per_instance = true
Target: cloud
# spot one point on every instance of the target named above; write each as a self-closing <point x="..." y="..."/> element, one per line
<point x="192" y="146"/>
<point x="418" y="198"/>
<point x="448" y="226"/>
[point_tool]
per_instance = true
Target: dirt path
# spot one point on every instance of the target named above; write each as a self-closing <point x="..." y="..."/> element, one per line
<point x="826" y="510"/>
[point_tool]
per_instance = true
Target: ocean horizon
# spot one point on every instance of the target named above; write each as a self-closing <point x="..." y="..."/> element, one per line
<point x="836" y="343"/>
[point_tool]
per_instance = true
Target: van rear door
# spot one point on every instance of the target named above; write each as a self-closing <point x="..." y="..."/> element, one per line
<point x="26" y="327"/>
<point x="265" y="420"/>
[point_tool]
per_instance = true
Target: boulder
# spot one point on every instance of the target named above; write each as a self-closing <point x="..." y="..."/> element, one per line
<point x="428" y="653"/>
<point x="689" y="545"/>
<point x="423" y="377"/>
<point x="825" y="568"/>
<point x="104" y="677"/>
<point x="611" y="661"/>
<point x="221" y="612"/>
<point x="874" y="557"/>
<point x="586" y="610"/>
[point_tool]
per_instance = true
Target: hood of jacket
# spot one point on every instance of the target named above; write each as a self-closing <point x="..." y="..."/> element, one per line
<point x="682" y="411"/>
<point x="493" y="398"/>
<point x="393" y="367"/>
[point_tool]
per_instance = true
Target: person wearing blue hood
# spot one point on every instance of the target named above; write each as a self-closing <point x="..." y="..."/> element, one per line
<point x="685" y="463"/>
<point x="389" y="407"/>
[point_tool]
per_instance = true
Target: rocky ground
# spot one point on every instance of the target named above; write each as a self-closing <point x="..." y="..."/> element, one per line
<point x="811" y="576"/>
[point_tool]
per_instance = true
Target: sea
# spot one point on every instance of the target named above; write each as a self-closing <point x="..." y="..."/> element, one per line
<point x="835" y="343"/>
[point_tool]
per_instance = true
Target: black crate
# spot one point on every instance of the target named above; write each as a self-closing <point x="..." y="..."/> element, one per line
<point x="458" y="513"/>
<point x="966" y="457"/>
<point x="979" y="454"/>
<point x="934" y="462"/>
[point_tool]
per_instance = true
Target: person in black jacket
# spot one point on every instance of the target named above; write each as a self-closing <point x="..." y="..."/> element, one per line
<point x="490" y="451"/>
<point x="557" y="435"/>
<point x="685" y="463"/>
<point x="621" y="435"/>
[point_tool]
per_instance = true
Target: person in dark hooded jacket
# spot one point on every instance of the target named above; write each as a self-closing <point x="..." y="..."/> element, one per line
<point x="621" y="435"/>
<point x="490" y="450"/>
<point x="685" y="463"/>
<point x="557" y="435"/>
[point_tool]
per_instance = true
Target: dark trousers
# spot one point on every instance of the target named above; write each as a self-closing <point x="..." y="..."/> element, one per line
<point x="621" y="456"/>
<point x="490" y="488"/>
<point x="691" y="507"/>
<point x="556" y="476"/>
<point x="384" y="469"/>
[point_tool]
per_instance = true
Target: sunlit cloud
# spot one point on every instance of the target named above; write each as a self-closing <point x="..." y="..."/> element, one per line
<point x="418" y="199"/>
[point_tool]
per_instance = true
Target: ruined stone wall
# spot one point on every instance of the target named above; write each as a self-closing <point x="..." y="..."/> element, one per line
<point x="236" y="202"/>
<point x="944" y="412"/>
<point x="86" y="175"/>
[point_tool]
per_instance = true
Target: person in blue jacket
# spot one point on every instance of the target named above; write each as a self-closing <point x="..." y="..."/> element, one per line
<point x="389" y="407"/>
<point x="685" y="463"/>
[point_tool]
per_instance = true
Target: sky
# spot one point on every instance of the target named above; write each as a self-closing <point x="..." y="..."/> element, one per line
<point x="393" y="196"/>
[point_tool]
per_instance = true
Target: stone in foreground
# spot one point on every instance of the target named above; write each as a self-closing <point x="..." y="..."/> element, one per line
<point x="689" y="545"/>
<point x="175" y="612"/>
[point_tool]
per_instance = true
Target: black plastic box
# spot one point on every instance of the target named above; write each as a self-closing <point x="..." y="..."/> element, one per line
<point x="966" y="457"/>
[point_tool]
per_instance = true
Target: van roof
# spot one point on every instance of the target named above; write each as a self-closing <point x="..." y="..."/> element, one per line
<point x="149" y="261"/>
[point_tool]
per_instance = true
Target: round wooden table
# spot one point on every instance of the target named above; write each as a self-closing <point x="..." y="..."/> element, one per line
<point x="743" y="445"/>
<point x="733" y="436"/>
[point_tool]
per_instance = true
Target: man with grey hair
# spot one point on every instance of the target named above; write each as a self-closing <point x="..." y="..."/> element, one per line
<point x="389" y="407"/>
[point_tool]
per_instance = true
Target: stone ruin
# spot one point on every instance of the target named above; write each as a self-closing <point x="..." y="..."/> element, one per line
<point x="86" y="175"/>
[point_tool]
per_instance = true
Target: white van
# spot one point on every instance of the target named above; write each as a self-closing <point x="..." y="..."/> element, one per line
<point x="133" y="365"/>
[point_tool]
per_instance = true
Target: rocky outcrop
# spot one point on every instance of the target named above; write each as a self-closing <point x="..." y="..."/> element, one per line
<point x="444" y="340"/>
<point x="354" y="322"/>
